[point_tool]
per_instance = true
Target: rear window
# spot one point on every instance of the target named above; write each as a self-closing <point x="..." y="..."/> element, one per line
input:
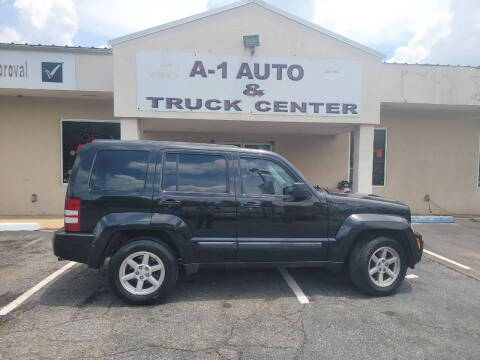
<point x="195" y="173"/>
<point x="119" y="170"/>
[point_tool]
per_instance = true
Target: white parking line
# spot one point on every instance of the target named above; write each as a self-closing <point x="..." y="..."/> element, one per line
<point x="19" y="300"/>
<point x="302" y="298"/>
<point x="34" y="241"/>
<point x="411" y="276"/>
<point x="447" y="260"/>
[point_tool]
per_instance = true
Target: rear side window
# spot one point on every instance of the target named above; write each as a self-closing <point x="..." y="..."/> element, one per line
<point x="120" y="170"/>
<point x="195" y="173"/>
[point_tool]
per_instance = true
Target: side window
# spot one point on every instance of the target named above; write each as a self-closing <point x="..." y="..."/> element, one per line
<point x="195" y="173"/>
<point x="119" y="170"/>
<point x="261" y="176"/>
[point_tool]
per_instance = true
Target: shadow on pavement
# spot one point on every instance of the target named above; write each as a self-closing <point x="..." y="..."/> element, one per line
<point x="323" y="283"/>
<point x="82" y="287"/>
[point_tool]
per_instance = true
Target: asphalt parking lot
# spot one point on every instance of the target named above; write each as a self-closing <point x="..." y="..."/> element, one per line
<point x="244" y="314"/>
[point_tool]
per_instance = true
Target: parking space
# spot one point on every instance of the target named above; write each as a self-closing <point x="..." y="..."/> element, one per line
<point x="458" y="242"/>
<point x="26" y="260"/>
<point x="233" y="314"/>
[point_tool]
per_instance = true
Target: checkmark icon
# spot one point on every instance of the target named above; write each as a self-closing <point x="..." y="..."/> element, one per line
<point x="52" y="73"/>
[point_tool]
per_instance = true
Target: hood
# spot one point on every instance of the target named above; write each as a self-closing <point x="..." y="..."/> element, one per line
<point x="345" y="204"/>
<point x="368" y="197"/>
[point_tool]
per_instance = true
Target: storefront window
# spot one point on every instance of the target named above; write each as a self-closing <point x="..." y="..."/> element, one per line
<point x="350" y="161"/>
<point x="379" y="148"/>
<point x="257" y="146"/>
<point x="77" y="133"/>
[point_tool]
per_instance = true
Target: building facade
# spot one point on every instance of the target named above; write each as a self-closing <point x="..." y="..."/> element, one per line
<point x="326" y="103"/>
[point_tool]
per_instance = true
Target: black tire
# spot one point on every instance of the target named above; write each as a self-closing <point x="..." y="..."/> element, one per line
<point x="150" y="245"/>
<point x="359" y="265"/>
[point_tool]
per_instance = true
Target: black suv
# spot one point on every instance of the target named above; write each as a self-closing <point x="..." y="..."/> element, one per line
<point x="152" y="207"/>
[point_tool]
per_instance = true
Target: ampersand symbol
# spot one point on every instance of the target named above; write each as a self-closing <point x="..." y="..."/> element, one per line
<point x="252" y="90"/>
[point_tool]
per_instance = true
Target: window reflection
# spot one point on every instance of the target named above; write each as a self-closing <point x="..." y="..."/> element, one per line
<point x="261" y="176"/>
<point x="120" y="170"/>
<point x="195" y="173"/>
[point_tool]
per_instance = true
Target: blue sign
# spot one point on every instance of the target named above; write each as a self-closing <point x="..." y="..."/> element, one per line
<point x="52" y="72"/>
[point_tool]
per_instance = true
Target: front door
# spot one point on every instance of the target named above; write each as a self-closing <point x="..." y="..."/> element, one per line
<point x="197" y="188"/>
<point x="272" y="227"/>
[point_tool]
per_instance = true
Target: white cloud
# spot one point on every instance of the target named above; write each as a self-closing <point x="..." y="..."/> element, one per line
<point x="375" y="22"/>
<point x="435" y="31"/>
<point x="42" y="21"/>
<point x="453" y="38"/>
<point x="111" y="19"/>
<point x="426" y="36"/>
<point x="9" y="34"/>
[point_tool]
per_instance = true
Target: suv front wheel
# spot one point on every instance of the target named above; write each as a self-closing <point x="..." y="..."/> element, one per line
<point x="378" y="266"/>
<point x="143" y="271"/>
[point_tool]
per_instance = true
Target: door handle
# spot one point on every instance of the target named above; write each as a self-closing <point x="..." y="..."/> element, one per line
<point x="250" y="204"/>
<point x="169" y="202"/>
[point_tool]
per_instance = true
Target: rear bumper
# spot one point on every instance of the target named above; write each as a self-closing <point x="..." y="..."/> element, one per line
<point x="72" y="246"/>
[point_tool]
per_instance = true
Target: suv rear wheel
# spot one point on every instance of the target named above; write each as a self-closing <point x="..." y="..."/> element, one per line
<point x="378" y="266"/>
<point x="143" y="271"/>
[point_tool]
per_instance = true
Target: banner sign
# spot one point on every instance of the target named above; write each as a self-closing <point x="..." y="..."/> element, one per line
<point x="37" y="70"/>
<point x="232" y="84"/>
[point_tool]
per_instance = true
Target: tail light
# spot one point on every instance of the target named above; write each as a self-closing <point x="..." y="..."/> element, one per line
<point x="71" y="217"/>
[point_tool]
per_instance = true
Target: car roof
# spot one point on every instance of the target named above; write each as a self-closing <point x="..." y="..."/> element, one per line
<point x="171" y="144"/>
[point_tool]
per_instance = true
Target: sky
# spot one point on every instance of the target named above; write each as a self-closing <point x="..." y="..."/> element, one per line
<point x="412" y="31"/>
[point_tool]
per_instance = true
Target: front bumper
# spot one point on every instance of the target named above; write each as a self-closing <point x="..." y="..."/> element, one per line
<point x="416" y="247"/>
<point x="72" y="246"/>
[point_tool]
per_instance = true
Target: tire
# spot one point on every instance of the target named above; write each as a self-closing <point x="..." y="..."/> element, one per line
<point x="382" y="282"/>
<point x="149" y="269"/>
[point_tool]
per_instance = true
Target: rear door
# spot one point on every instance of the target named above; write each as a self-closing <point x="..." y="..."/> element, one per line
<point x="272" y="227"/>
<point x="198" y="188"/>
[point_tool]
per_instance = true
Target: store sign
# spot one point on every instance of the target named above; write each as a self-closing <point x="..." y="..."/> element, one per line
<point x="231" y="84"/>
<point x="37" y="70"/>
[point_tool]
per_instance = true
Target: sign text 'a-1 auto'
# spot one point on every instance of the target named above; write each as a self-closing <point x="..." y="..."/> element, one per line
<point x="233" y="84"/>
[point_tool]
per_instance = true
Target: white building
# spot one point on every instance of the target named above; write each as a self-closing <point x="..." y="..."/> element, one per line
<point x="327" y="103"/>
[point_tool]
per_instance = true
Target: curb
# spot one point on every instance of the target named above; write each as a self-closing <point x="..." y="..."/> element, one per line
<point x="433" y="219"/>
<point x="19" y="226"/>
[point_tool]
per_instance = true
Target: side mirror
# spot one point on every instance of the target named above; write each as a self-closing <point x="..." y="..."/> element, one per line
<point x="298" y="191"/>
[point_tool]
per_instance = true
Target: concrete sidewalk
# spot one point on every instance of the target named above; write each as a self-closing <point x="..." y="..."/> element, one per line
<point x="45" y="222"/>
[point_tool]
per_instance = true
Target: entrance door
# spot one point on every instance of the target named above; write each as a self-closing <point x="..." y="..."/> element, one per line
<point x="272" y="227"/>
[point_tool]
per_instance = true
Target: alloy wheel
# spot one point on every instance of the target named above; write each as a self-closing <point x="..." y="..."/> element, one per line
<point x="141" y="273"/>
<point x="384" y="266"/>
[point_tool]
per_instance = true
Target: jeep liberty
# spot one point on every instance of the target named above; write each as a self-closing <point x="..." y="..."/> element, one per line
<point x="153" y="208"/>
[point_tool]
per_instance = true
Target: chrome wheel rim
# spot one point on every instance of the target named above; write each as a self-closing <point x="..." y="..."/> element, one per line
<point x="384" y="266"/>
<point x="141" y="273"/>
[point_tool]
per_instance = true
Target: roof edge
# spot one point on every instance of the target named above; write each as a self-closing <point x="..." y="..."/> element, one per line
<point x="237" y="4"/>
<point x="55" y="48"/>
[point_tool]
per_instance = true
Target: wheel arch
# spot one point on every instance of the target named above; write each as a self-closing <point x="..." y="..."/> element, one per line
<point x="116" y="229"/>
<point x="123" y="237"/>
<point x="361" y="227"/>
